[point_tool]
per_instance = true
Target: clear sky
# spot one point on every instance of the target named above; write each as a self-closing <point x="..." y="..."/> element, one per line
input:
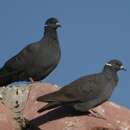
<point x="93" y="32"/>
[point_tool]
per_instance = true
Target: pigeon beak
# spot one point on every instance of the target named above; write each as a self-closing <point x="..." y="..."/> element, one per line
<point x="58" y="24"/>
<point x="122" y="68"/>
<point x="45" y="25"/>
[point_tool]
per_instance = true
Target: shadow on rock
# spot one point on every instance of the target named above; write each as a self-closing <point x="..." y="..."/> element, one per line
<point x="55" y="114"/>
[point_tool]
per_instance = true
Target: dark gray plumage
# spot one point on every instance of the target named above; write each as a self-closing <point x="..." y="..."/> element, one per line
<point x="35" y="61"/>
<point x="86" y="92"/>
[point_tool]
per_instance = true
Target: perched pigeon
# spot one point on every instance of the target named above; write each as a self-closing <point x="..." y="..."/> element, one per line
<point x="86" y="92"/>
<point x="35" y="61"/>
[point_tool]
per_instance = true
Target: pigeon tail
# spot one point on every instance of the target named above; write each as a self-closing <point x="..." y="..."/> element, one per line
<point x="48" y="106"/>
<point x="7" y="78"/>
<point x="47" y="98"/>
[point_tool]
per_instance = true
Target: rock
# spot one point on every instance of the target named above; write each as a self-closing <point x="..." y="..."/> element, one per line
<point x="65" y="118"/>
<point x="15" y="103"/>
<point x="6" y="122"/>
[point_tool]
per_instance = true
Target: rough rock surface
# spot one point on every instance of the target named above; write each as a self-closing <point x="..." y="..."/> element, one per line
<point x="64" y="118"/>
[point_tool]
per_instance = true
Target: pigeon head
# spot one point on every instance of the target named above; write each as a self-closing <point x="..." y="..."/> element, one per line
<point x="115" y="65"/>
<point x="52" y="23"/>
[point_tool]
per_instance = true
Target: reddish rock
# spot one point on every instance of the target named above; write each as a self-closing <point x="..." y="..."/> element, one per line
<point x="63" y="118"/>
<point x="6" y="122"/>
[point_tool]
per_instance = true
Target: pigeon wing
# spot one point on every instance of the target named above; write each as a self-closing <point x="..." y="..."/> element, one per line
<point x="77" y="91"/>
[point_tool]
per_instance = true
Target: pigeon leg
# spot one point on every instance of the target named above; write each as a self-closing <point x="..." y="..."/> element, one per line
<point x="1" y="99"/>
<point x="96" y="114"/>
<point x="31" y="79"/>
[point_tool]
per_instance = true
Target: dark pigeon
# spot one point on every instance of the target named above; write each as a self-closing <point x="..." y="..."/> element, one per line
<point x="35" y="61"/>
<point x="87" y="92"/>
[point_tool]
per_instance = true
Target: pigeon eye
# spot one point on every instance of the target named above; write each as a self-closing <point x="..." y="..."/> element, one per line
<point x="118" y="64"/>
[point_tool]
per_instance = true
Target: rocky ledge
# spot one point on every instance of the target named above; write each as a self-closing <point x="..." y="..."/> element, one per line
<point x="18" y="102"/>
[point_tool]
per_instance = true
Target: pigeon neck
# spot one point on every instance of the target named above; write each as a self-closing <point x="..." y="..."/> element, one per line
<point x="110" y="73"/>
<point x="51" y="32"/>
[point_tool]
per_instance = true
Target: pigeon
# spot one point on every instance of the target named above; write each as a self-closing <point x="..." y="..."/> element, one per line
<point x="37" y="60"/>
<point x="86" y="92"/>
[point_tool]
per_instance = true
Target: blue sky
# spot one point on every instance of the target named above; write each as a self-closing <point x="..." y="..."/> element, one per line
<point x="93" y="32"/>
